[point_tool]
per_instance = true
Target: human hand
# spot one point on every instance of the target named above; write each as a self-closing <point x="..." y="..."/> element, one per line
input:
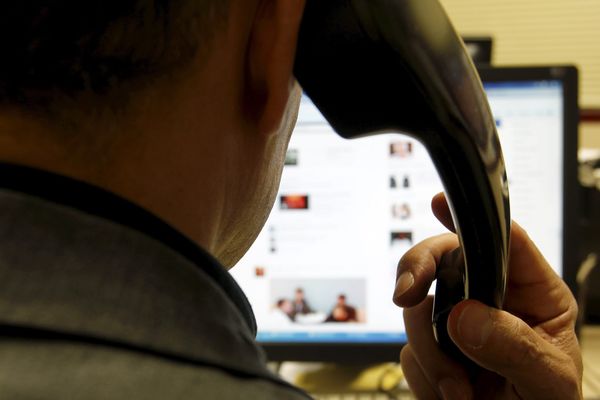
<point x="527" y="351"/>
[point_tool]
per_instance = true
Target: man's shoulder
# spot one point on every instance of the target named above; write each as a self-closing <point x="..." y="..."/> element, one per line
<point x="92" y="309"/>
<point x="66" y="369"/>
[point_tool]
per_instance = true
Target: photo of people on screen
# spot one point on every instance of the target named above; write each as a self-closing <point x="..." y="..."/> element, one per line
<point x="294" y="308"/>
<point x="293" y="202"/>
<point x="291" y="157"/>
<point x="282" y="312"/>
<point x="401" y="149"/>
<point x="259" y="271"/>
<point x="401" y="238"/>
<point x="342" y="311"/>
<point x="312" y="301"/>
<point x="300" y="304"/>
<point x="401" y="211"/>
<point x="405" y="182"/>
<point x="401" y="241"/>
<point x="399" y="182"/>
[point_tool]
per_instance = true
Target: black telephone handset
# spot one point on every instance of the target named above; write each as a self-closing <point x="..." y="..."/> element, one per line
<point x="375" y="66"/>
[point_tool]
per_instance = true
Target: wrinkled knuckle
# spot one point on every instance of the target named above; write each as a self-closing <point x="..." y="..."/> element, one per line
<point x="533" y="354"/>
<point x="408" y="262"/>
<point x="523" y="350"/>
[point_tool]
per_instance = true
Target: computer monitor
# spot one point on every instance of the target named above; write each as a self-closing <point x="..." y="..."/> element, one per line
<point x="321" y="274"/>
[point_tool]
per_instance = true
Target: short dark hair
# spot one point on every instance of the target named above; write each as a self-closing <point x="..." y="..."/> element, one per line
<point x="280" y="302"/>
<point x="62" y="48"/>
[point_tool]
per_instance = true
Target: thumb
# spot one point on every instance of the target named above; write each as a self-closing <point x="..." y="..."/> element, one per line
<point x="502" y="343"/>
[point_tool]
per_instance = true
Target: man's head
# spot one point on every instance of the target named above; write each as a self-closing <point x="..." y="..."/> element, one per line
<point x="299" y="295"/>
<point x="285" y="305"/>
<point x="183" y="106"/>
<point x="340" y="313"/>
<point x="55" y="50"/>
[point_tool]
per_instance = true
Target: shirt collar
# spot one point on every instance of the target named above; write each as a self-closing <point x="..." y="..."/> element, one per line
<point x="101" y="203"/>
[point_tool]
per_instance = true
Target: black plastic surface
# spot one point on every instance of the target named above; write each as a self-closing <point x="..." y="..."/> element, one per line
<point x="374" y="66"/>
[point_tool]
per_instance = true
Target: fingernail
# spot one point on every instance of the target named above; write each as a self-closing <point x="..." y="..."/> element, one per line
<point x="475" y="325"/>
<point x="451" y="389"/>
<point x="404" y="282"/>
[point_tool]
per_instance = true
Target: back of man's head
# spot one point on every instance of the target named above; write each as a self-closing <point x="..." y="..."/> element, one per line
<point x="184" y="107"/>
<point x="58" y="50"/>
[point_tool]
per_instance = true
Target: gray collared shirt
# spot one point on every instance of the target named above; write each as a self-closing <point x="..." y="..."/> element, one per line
<point x="91" y="308"/>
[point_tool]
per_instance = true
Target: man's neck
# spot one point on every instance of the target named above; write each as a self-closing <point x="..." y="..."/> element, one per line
<point x="151" y="167"/>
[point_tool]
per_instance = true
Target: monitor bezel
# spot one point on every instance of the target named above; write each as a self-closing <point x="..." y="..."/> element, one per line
<point x="568" y="76"/>
<point x="389" y="352"/>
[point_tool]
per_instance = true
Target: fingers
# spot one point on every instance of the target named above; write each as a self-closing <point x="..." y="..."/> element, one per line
<point x="442" y="374"/>
<point x="523" y="251"/>
<point x="539" y="362"/>
<point x="416" y="270"/>
<point x="528" y="265"/>
<point x="535" y="292"/>
<point x="418" y="383"/>
<point x="503" y="343"/>
<point x="528" y="262"/>
<point x="440" y="209"/>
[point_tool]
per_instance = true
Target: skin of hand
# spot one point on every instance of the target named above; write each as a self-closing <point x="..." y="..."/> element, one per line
<point x="529" y="350"/>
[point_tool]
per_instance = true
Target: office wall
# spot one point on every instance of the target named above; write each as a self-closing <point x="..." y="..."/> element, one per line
<point x="540" y="32"/>
<point x="589" y="135"/>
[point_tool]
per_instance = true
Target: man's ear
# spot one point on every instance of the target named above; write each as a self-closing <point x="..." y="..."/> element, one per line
<point x="270" y="61"/>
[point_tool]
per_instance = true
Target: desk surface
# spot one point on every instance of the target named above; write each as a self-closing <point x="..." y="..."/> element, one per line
<point x="590" y="346"/>
<point x="328" y="378"/>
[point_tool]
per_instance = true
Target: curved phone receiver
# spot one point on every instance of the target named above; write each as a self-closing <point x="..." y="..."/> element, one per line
<point x="374" y="66"/>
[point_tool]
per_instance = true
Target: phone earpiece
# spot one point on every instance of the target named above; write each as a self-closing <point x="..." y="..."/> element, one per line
<point x="374" y="66"/>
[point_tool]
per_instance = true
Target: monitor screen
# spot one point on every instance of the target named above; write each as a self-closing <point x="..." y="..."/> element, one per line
<point x="321" y="274"/>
